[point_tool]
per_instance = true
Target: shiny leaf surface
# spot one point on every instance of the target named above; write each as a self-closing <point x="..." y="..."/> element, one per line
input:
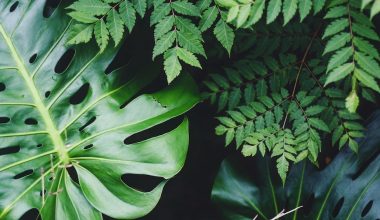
<point x="64" y="122"/>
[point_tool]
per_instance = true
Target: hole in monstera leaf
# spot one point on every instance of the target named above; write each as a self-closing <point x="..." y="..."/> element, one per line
<point x="367" y="208"/>
<point x="73" y="174"/>
<point x="154" y="86"/>
<point x="13" y="7"/>
<point x="31" y="121"/>
<point x="87" y="147"/>
<point x="338" y="207"/>
<point x="2" y="87"/>
<point x="9" y="150"/>
<point x="364" y="165"/>
<point x="31" y="214"/>
<point x="4" y="120"/>
<point x="39" y="145"/>
<point x="307" y="205"/>
<point x="115" y="64"/>
<point x="140" y="182"/>
<point x="47" y="94"/>
<point x="80" y="95"/>
<point x="154" y="131"/>
<point x="33" y="58"/>
<point x="88" y="123"/>
<point x="23" y="174"/>
<point x="42" y="191"/>
<point x="64" y="62"/>
<point x="125" y="103"/>
<point x="49" y="8"/>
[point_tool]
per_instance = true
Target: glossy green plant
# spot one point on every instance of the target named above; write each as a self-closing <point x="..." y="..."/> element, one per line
<point x="55" y="119"/>
<point x="348" y="188"/>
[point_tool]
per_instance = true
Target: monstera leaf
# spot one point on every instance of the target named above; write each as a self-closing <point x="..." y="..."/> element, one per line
<point x="64" y="122"/>
<point x="348" y="188"/>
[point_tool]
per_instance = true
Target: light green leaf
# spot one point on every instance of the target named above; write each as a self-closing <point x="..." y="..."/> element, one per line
<point x="340" y="57"/>
<point x="337" y="42"/>
<point x="352" y="103"/>
<point x="101" y="34"/>
<point x="186" y="8"/>
<point x="366" y="79"/>
<point x="226" y="3"/>
<point x="164" y="43"/>
<point x="335" y="27"/>
<point x="339" y="73"/>
<point x="375" y="9"/>
<point x="318" y="5"/>
<point x="115" y="26"/>
<point x="365" y="31"/>
<point x="243" y="15"/>
<point x="304" y="7"/>
<point x="172" y="66"/>
<point x="128" y="14"/>
<point x="163" y="27"/>
<point x="257" y="12"/>
<point x="336" y="12"/>
<point x="90" y="7"/>
<point x="191" y="43"/>
<point x="366" y="47"/>
<point x="82" y="17"/>
<point x="225" y="35"/>
<point x="159" y="13"/>
<point x="273" y="10"/>
<point x="140" y="6"/>
<point x="208" y="18"/>
<point x="80" y="33"/>
<point x="289" y="9"/>
<point x="233" y="13"/>
<point x="187" y="57"/>
<point x="282" y="168"/>
<point x="368" y="64"/>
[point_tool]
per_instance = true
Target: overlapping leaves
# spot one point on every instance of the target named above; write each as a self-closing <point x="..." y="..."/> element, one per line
<point x="64" y="125"/>
<point x="104" y="19"/>
<point x="176" y="36"/>
<point x="354" y="56"/>
<point x="279" y="108"/>
<point x="347" y="188"/>
<point x="245" y="13"/>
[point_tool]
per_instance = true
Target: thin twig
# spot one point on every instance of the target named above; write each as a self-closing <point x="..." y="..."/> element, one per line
<point x="300" y="70"/>
<point x="283" y="213"/>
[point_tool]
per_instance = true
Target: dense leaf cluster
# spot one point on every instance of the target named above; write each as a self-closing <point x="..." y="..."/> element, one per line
<point x="297" y="80"/>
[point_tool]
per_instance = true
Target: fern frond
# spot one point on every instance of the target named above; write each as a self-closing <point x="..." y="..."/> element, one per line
<point x="176" y="35"/>
<point x="335" y="115"/>
<point x="103" y="18"/>
<point x="262" y="113"/>
<point x="247" y="13"/>
<point x="247" y="80"/>
<point x="350" y="33"/>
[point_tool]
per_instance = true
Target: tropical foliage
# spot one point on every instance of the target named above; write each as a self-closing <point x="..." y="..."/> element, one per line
<point x="282" y="99"/>
<point x="344" y="189"/>
<point x="63" y="128"/>
<point x="287" y="78"/>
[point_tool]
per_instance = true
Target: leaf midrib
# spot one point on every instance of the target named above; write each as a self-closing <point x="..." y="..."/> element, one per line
<point x="51" y="129"/>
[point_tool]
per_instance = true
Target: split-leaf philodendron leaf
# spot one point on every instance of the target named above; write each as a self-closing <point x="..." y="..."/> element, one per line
<point x="56" y="117"/>
<point x="348" y="188"/>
